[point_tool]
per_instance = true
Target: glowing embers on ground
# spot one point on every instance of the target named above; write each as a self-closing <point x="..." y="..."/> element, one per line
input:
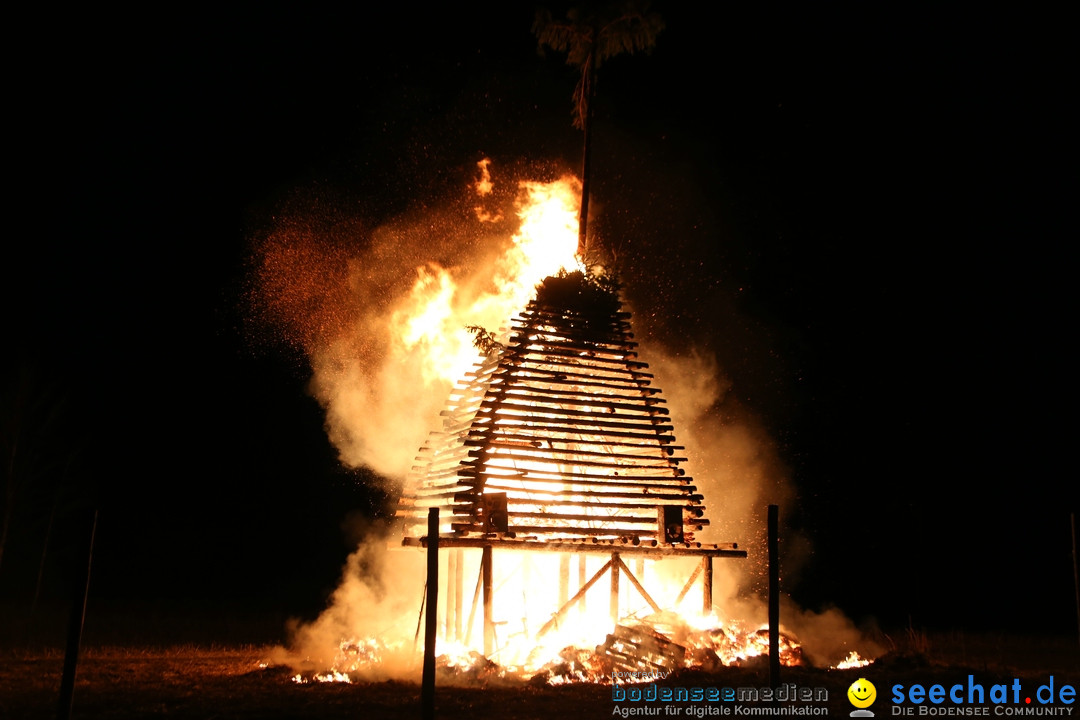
<point x="639" y="647"/>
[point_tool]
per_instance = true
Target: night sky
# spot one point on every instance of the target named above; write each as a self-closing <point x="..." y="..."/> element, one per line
<point x="860" y="211"/>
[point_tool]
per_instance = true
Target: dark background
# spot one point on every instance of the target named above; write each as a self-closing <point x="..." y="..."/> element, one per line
<point x="861" y="211"/>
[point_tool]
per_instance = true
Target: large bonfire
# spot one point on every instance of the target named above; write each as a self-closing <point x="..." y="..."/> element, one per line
<point x="534" y="629"/>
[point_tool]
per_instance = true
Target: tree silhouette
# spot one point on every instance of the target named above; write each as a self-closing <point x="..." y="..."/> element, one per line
<point x="589" y="36"/>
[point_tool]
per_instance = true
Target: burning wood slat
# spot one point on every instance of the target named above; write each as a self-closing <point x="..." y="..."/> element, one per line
<point x="520" y="448"/>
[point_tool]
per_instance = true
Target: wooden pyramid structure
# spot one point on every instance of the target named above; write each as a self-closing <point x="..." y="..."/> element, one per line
<point x="559" y="438"/>
<point x="557" y="441"/>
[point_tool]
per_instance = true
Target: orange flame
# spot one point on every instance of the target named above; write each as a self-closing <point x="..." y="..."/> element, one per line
<point x="430" y="324"/>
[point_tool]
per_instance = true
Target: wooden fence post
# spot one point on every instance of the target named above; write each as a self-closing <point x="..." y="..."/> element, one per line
<point x="427" y="688"/>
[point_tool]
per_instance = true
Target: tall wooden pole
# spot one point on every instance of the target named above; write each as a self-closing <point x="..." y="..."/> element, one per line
<point x="489" y="620"/>
<point x="427" y="688"/>
<point x="774" y="596"/>
<point x="75" y="629"/>
<point x="586" y="152"/>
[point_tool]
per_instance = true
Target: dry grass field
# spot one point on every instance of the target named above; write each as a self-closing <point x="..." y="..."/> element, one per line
<point x="189" y="681"/>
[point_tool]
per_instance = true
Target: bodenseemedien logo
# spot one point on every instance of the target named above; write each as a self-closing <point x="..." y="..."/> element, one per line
<point x="862" y="694"/>
<point x="699" y="702"/>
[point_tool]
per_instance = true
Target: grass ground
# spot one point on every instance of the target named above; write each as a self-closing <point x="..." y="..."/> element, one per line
<point x="189" y="681"/>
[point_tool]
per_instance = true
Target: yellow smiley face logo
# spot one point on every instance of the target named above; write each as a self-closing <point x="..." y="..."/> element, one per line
<point x="862" y="693"/>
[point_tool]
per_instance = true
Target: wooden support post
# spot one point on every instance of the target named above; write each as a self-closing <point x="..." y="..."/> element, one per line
<point x="451" y="610"/>
<point x="489" y="621"/>
<point x="459" y="576"/>
<point x="706" y="586"/>
<point x="581" y="581"/>
<point x="564" y="578"/>
<point x="774" y="596"/>
<point x="614" y="604"/>
<point x="427" y="687"/>
<point x="75" y="629"/>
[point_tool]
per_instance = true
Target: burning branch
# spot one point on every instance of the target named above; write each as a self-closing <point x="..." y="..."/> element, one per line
<point x="485" y="341"/>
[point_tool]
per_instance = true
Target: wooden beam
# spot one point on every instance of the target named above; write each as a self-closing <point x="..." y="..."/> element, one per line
<point x="652" y="482"/>
<point x="556" y="391"/>
<point x="689" y="584"/>
<point x="519" y="449"/>
<point x="647" y="547"/>
<point x="561" y="517"/>
<point x="569" y="434"/>
<point x="614" y="347"/>
<point x="637" y="585"/>
<point x="598" y="357"/>
<point x="607" y="403"/>
<point x="579" y="595"/>
<point x="560" y="377"/>
<point x="579" y="418"/>
<point x="540" y="311"/>
<point x="689" y="506"/>
<point x="555" y="497"/>
<point x="622" y="536"/>
<point x="572" y="371"/>
<point x="640" y="463"/>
